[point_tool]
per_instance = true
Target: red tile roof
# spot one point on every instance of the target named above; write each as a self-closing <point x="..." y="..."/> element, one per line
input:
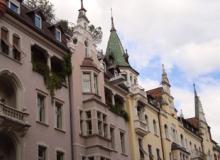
<point x="193" y="121"/>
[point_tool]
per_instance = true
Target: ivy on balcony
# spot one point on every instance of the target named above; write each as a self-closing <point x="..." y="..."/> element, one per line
<point x="117" y="109"/>
<point x="60" y="69"/>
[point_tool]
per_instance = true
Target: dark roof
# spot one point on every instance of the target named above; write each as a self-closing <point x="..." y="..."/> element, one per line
<point x="26" y="17"/>
<point x="194" y="122"/>
<point x="175" y="146"/>
<point x="88" y="62"/>
<point x="156" y="93"/>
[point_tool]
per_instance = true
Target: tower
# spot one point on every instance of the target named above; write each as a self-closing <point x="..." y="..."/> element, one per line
<point x="82" y="18"/>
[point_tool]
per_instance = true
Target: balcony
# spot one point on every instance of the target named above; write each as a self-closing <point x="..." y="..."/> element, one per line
<point x="13" y="119"/>
<point x="117" y="79"/>
<point x="141" y="128"/>
<point x="197" y="155"/>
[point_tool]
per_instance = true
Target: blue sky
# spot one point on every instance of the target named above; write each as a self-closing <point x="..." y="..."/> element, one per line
<point x="183" y="35"/>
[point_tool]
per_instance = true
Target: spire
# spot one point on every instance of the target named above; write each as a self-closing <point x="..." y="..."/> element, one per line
<point x="165" y="80"/>
<point x="82" y="13"/>
<point x="112" y="20"/>
<point x="115" y="50"/>
<point x="198" y="107"/>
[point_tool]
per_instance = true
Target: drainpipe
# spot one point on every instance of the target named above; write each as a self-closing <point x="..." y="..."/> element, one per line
<point x="161" y="137"/>
<point x="71" y="117"/>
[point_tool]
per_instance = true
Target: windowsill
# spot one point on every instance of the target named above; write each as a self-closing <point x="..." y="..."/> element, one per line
<point x="94" y="94"/>
<point x="60" y="130"/>
<point x="4" y="54"/>
<point x="168" y="139"/>
<point x="124" y="154"/>
<point x="43" y="123"/>
<point x="95" y="135"/>
<point x="156" y="135"/>
<point x="113" y="150"/>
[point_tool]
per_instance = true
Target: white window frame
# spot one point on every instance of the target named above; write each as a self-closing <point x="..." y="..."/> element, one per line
<point x="56" y="116"/>
<point x="44" y="108"/>
<point x="60" y="35"/>
<point x="10" y="3"/>
<point x="40" y="20"/>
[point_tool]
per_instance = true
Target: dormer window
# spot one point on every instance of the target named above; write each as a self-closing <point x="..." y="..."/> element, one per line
<point x="58" y="35"/>
<point x="13" y="7"/>
<point x="38" y="21"/>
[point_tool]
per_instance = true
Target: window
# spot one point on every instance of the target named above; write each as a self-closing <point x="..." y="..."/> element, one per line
<point x="141" y="150"/>
<point x="89" y="122"/>
<point x="60" y="155"/>
<point x="13" y="7"/>
<point x="182" y="140"/>
<point x="38" y="21"/>
<point x="147" y="122"/>
<point x="4" y="41"/>
<point x="158" y="154"/>
<point x="102" y="124"/>
<point x="151" y="157"/>
<point x="86" y="82"/>
<point x="42" y="153"/>
<point x="166" y="131"/>
<point x="81" y="122"/>
<point x="59" y="115"/>
<point x="155" y="127"/>
<point x="122" y="138"/>
<point x="96" y="83"/>
<point x="112" y="134"/>
<point x="16" y="47"/>
<point x="91" y="158"/>
<point x="58" y="35"/>
<point x="41" y="107"/>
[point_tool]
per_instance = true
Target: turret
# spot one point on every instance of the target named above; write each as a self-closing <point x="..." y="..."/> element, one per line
<point x="82" y="18"/>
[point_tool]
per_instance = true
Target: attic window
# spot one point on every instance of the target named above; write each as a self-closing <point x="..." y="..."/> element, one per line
<point x="13" y="7"/>
<point x="58" y="35"/>
<point x="38" y="21"/>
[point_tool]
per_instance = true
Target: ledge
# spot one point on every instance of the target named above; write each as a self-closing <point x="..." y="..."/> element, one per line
<point x="42" y="123"/>
<point x="60" y="130"/>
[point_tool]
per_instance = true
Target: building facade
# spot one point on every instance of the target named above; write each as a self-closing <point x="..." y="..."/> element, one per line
<point x="62" y="99"/>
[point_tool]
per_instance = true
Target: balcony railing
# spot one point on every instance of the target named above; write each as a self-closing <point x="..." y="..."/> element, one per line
<point x="12" y="114"/>
<point x="136" y="89"/>
<point x="141" y="127"/>
<point x="117" y="79"/>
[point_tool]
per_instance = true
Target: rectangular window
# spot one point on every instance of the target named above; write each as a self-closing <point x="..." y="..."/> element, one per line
<point x="4" y="41"/>
<point x="158" y="154"/>
<point x="42" y="153"/>
<point x="41" y="107"/>
<point x="91" y="158"/>
<point x="96" y="84"/>
<point x="58" y="35"/>
<point x="150" y="152"/>
<point x="60" y="155"/>
<point x="89" y="122"/>
<point x="122" y="138"/>
<point x="38" y="21"/>
<point x="59" y="115"/>
<point x="16" y="48"/>
<point x="86" y="82"/>
<point x="81" y="122"/>
<point x="112" y="134"/>
<point x="13" y="7"/>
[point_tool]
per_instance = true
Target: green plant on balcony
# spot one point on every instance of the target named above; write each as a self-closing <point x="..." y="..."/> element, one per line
<point x="117" y="109"/>
<point x="53" y="80"/>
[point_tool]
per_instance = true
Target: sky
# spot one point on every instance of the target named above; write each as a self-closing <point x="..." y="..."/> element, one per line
<point x="182" y="35"/>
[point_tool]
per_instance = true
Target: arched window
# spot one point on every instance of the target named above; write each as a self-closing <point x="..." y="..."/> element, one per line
<point x="155" y="127"/>
<point x="166" y="131"/>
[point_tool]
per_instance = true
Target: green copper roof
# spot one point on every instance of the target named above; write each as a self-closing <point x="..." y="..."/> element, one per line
<point x="115" y="49"/>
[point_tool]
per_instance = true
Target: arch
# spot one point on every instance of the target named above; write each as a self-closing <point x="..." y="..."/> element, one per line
<point x="13" y="81"/>
<point x="9" y="146"/>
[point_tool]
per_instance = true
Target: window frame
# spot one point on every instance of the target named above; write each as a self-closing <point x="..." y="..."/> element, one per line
<point x="45" y="152"/>
<point x="36" y="16"/>
<point x="61" y="116"/>
<point x="58" y="34"/>
<point x="87" y="90"/>
<point x="39" y="112"/>
<point x="62" y="154"/>
<point x="10" y="4"/>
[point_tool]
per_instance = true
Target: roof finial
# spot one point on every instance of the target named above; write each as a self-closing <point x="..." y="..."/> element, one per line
<point x="82" y="7"/>
<point x="163" y="69"/>
<point x="194" y="86"/>
<point x="112" y="19"/>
